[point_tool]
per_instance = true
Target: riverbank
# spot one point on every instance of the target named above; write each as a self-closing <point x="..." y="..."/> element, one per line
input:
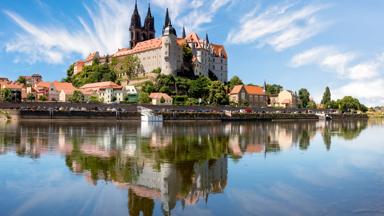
<point x="116" y="115"/>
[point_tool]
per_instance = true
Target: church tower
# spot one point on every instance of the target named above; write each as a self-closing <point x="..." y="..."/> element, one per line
<point x="171" y="52"/>
<point x="149" y="26"/>
<point x="135" y="28"/>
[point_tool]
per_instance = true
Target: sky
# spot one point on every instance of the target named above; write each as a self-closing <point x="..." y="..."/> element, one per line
<point x="295" y="43"/>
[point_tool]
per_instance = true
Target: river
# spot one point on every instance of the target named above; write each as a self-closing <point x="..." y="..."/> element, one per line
<point x="211" y="168"/>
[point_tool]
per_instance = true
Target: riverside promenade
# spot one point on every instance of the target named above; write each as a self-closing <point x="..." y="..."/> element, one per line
<point x="127" y="112"/>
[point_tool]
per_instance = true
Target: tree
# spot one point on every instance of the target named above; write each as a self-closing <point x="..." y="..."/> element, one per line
<point x="129" y="67"/>
<point x="77" y="97"/>
<point x="43" y="98"/>
<point x="94" y="99"/>
<point x="6" y="95"/>
<point x="235" y="80"/>
<point x="217" y="94"/>
<point x="31" y="97"/>
<point x="148" y="87"/>
<point x="311" y="105"/>
<point x="304" y="97"/>
<point x="144" y="98"/>
<point x="162" y="100"/>
<point x="70" y="72"/>
<point x="22" y="80"/>
<point x="199" y="88"/>
<point x="348" y="103"/>
<point x="326" y="98"/>
<point x="273" y="89"/>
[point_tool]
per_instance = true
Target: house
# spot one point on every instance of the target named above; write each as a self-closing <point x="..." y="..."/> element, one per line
<point x="110" y="92"/>
<point x="79" y="66"/>
<point x="248" y="94"/>
<point x="57" y="91"/>
<point x="32" y="80"/>
<point x="91" y="57"/>
<point x="285" y="99"/>
<point x="160" y="99"/>
<point x="18" y="92"/>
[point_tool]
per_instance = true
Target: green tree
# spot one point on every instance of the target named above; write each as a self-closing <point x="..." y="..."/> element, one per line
<point x="304" y="97"/>
<point x="31" y="97"/>
<point x="130" y="67"/>
<point x="70" y="72"/>
<point x="348" y="103"/>
<point x="162" y="100"/>
<point x="43" y="98"/>
<point x="235" y="80"/>
<point x="273" y="89"/>
<point x="144" y="98"/>
<point x="94" y="99"/>
<point x="22" y="80"/>
<point x="311" y="105"/>
<point x="77" y="97"/>
<point x="5" y="95"/>
<point x="148" y="87"/>
<point x="217" y="94"/>
<point x="326" y="98"/>
<point x="199" y="88"/>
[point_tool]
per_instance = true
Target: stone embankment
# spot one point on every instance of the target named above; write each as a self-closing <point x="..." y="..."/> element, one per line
<point x="124" y="112"/>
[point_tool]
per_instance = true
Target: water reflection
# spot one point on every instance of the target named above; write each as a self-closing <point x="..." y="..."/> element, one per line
<point x="170" y="163"/>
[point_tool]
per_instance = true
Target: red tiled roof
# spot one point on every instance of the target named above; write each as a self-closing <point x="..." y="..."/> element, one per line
<point x="250" y="89"/>
<point x="91" y="56"/>
<point x="43" y="84"/>
<point x="219" y="50"/>
<point x="80" y="63"/>
<point x="158" y="96"/>
<point x="12" y="85"/>
<point x="68" y="88"/>
<point x="193" y="38"/>
<point x="101" y="85"/>
<point x="236" y="89"/>
<point x="140" y="47"/>
<point x="254" y="90"/>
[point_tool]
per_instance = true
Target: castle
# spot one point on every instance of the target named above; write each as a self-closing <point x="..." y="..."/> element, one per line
<point x="166" y="52"/>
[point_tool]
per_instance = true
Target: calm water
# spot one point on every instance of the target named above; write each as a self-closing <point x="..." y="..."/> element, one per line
<point x="289" y="168"/>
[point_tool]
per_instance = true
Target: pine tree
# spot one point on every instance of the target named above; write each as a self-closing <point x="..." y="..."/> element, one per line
<point x="326" y="97"/>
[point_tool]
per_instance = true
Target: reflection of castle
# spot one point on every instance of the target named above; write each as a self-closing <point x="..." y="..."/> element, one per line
<point x="170" y="162"/>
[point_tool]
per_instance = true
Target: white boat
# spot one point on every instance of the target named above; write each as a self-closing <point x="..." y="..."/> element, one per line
<point x="323" y="116"/>
<point x="147" y="115"/>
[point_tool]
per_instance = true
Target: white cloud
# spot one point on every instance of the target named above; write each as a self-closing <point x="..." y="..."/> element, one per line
<point x="106" y="32"/>
<point x="370" y="92"/>
<point x="343" y="63"/>
<point x="364" y="78"/>
<point x="193" y="15"/>
<point x="281" y="26"/>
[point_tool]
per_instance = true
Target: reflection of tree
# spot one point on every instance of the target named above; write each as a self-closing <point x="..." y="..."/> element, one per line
<point x="137" y="204"/>
<point x="111" y="168"/>
<point x="327" y="138"/>
<point x="347" y="130"/>
<point x="304" y="140"/>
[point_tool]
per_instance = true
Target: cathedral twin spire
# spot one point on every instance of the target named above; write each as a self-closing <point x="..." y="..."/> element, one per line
<point x="141" y="33"/>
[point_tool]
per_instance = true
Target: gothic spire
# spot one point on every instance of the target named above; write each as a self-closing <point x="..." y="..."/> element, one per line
<point x="167" y="19"/>
<point x="168" y="24"/>
<point x="206" y="38"/>
<point x="136" y="20"/>
<point x="149" y="13"/>
<point x="184" y="34"/>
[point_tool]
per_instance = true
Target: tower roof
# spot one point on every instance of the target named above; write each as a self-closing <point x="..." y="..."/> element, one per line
<point x="168" y="25"/>
<point x="184" y="34"/>
<point x="135" y="19"/>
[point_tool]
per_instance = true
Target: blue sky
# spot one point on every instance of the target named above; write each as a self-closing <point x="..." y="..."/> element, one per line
<point x="298" y="43"/>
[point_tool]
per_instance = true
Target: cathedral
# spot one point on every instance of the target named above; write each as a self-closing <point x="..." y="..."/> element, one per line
<point x="166" y="52"/>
